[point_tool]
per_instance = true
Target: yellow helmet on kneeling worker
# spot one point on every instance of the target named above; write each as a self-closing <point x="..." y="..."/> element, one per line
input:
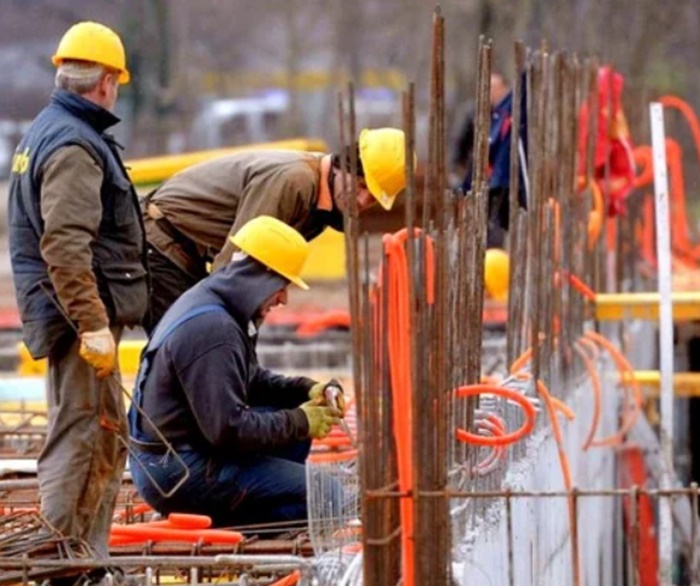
<point x="276" y="245"/>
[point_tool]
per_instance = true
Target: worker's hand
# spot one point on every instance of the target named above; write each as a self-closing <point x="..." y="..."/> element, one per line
<point x="318" y="395"/>
<point x="321" y="419"/>
<point x="99" y="350"/>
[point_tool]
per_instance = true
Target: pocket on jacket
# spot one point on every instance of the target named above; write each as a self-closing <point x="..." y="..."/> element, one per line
<point x="128" y="292"/>
<point x="124" y="210"/>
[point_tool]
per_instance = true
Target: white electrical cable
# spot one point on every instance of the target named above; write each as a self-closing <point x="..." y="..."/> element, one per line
<point x="349" y="578"/>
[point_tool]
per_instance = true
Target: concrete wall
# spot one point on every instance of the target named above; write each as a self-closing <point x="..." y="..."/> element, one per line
<point x="541" y="552"/>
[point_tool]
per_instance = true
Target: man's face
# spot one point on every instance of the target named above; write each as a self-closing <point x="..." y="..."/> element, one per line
<point x="278" y="298"/>
<point x="498" y="88"/>
<point x="109" y="90"/>
<point x="365" y="199"/>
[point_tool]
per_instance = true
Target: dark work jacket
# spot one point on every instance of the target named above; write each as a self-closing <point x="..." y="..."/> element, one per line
<point x="204" y="378"/>
<point x="118" y="251"/>
<point x="499" y="147"/>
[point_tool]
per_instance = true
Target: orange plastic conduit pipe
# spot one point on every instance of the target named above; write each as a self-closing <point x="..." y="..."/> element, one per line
<point x="332" y="457"/>
<point x="631" y="412"/>
<point x="399" y="342"/>
<point x="181" y="521"/>
<point x="597" y="392"/>
<point x="688" y="113"/>
<point x="643" y="157"/>
<point x="150" y="533"/>
<point x="400" y="374"/>
<point x="596" y="215"/>
<point x="139" y="509"/>
<point x="504" y="440"/>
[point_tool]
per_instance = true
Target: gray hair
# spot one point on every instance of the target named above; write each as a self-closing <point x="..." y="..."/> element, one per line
<point x="79" y="77"/>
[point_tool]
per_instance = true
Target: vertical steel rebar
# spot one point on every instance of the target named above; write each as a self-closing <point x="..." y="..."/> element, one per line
<point x="509" y="527"/>
<point x="517" y="267"/>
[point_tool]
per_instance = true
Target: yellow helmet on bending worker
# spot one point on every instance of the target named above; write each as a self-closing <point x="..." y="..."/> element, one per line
<point x="276" y="245"/>
<point x="95" y="43"/>
<point x="383" y="158"/>
<point x="497" y="274"/>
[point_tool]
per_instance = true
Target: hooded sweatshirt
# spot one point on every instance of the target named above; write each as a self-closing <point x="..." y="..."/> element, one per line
<point x="205" y="377"/>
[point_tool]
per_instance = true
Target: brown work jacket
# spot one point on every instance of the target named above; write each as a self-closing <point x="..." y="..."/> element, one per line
<point x="72" y="212"/>
<point x="209" y="201"/>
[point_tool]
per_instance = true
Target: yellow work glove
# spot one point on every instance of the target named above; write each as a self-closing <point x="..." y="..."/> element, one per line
<point x="99" y="350"/>
<point x="321" y="419"/>
<point x="318" y="395"/>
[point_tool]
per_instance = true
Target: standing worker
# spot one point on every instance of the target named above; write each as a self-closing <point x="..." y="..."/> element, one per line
<point x="189" y="218"/>
<point x="243" y="432"/>
<point x="501" y="101"/>
<point x="78" y="260"/>
<point x="463" y="155"/>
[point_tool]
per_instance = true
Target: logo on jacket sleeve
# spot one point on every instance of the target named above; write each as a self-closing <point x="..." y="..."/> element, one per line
<point x="20" y="162"/>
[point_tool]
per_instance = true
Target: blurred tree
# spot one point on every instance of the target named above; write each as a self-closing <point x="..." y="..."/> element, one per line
<point x="183" y="53"/>
<point x="149" y="39"/>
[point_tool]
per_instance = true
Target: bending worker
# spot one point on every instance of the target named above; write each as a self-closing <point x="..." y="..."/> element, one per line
<point x="190" y="217"/>
<point x="78" y="260"/>
<point x="243" y="431"/>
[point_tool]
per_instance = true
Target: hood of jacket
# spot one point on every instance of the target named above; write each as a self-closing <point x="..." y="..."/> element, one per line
<point x="243" y="286"/>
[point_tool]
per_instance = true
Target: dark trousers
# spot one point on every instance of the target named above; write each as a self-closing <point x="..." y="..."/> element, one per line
<point x="260" y="488"/>
<point x="81" y="463"/>
<point x="498" y="217"/>
<point x="168" y="282"/>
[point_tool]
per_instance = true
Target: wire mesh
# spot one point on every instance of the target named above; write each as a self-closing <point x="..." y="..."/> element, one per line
<point x="335" y="529"/>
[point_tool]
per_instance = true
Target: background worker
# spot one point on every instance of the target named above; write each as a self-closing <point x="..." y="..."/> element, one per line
<point x="463" y="154"/>
<point x="243" y="431"/>
<point x="501" y="99"/>
<point x="77" y="243"/>
<point x="189" y="218"/>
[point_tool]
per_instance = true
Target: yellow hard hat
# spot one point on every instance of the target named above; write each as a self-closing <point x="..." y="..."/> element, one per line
<point x="276" y="245"/>
<point x="94" y="42"/>
<point x="383" y="157"/>
<point x="496" y="273"/>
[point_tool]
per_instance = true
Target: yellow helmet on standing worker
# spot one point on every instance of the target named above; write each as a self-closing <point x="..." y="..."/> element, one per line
<point x="96" y="43"/>
<point x="276" y="245"/>
<point x="383" y="157"/>
<point x="497" y="273"/>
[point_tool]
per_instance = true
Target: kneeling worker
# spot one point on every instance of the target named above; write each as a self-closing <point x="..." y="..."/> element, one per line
<point x="243" y="431"/>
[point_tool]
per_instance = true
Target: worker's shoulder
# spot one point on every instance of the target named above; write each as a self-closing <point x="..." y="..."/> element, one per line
<point x="206" y="331"/>
<point x="72" y="153"/>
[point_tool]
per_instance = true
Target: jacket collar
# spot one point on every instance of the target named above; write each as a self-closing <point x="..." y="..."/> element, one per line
<point x="96" y="116"/>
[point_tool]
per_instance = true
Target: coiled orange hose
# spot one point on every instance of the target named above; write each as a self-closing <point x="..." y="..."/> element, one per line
<point x="504" y="440"/>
